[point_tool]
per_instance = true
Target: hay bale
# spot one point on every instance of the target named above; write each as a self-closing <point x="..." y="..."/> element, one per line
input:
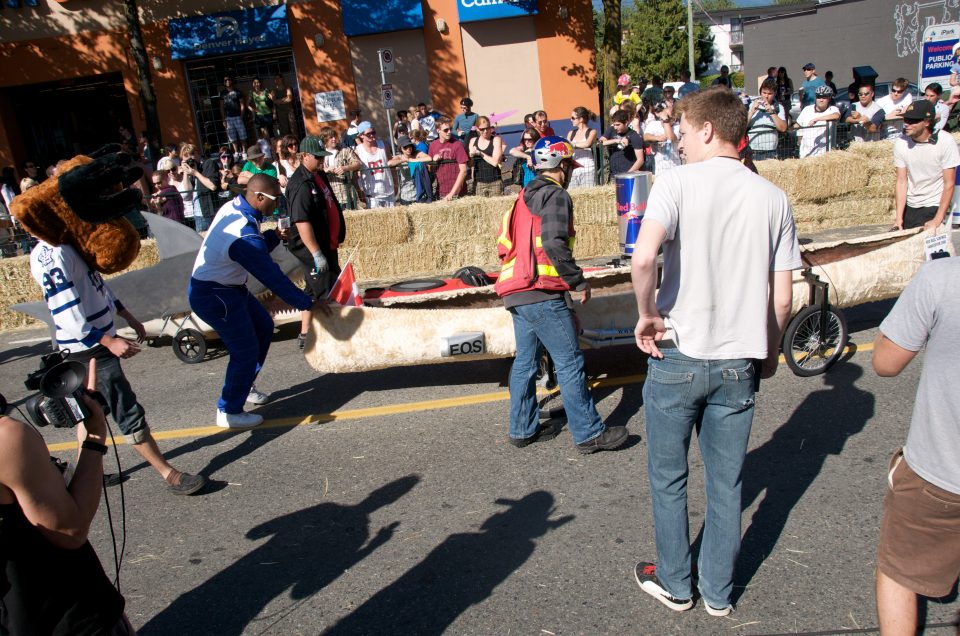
<point x="394" y="262"/>
<point x="851" y="212"/>
<point x="482" y="254"/>
<point x="596" y="240"/>
<point x="379" y="226"/>
<point x="463" y="220"/>
<point x="594" y="206"/>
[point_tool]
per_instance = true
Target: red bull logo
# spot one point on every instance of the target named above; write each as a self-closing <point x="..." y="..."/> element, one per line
<point x="559" y="147"/>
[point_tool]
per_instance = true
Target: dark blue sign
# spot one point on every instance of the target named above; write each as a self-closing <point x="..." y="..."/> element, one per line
<point x="475" y="10"/>
<point x="936" y="59"/>
<point x="229" y="32"/>
<point x="363" y="17"/>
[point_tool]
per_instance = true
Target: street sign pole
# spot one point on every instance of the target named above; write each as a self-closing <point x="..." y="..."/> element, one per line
<point x="386" y="66"/>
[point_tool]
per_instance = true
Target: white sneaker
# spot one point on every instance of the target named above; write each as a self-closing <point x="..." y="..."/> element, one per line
<point x="257" y="397"/>
<point x="718" y="611"/>
<point x="238" y="420"/>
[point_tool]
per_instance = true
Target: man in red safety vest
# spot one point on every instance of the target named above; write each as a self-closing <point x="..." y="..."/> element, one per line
<point x="537" y="274"/>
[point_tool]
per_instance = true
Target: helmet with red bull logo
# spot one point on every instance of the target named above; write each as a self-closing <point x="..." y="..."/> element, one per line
<point x="550" y="151"/>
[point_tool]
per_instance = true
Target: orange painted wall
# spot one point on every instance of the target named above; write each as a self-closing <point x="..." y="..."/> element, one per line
<point x="447" y="68"/>
<point x="567" y="58"/>
<point x="59" y="58"/>
<point x="170" y="87"/>
<point x="320" y="69"/>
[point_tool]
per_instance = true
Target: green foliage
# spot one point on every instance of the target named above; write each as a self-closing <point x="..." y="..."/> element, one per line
<point x="707" y="80"/>
<point x="655" y="40"/>
<point x="717" y="5"/>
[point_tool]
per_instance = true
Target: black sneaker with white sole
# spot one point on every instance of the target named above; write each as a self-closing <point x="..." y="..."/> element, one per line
<point x="646" y="575"/>
<point x="726" y="610"/>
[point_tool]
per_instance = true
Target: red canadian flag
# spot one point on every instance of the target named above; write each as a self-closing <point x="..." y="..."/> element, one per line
<point x="345" y="291"/>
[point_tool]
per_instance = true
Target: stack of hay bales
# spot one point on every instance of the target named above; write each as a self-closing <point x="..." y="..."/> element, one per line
<point x="432" y="238"/>
<point x="843" y="188"/>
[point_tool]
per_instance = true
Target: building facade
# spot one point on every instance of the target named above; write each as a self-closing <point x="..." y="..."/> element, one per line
<point x="843" y="34"/>
<point x="69" y="79"/>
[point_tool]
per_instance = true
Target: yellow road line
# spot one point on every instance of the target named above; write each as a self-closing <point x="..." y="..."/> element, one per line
<point x="389" y="409"/>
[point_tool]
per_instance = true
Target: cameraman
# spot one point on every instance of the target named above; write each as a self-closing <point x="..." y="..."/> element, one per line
<point x="52" y="581"/>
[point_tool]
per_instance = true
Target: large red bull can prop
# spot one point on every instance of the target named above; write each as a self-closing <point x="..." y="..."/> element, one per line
<point x="633" y="188"/>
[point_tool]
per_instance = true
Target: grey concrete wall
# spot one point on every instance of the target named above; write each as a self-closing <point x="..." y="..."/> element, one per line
<point x="884" y="34"/>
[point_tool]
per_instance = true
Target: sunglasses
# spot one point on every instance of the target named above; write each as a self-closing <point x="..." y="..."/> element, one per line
<point x="896" y="90"/>
<point x="370" y="133"/>
<point x="483" y="129"/>
<point x="528" y="139"/>
<point x="574" y="118"/>
<point x="445" y="130"/>
<point x="863" y="94"/>
<point x="269" y="196"/>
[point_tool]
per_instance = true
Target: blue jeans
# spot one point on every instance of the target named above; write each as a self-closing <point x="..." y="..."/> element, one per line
<point x="716" y="397"/>
<point x="245" y="328"/>
<point x="551" y="323"/>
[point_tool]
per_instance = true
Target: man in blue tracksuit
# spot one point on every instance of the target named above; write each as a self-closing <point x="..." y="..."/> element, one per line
<point x="218" y="294"/>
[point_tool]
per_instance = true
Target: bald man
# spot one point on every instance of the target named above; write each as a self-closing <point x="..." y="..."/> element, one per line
<point x="234" y="247"/>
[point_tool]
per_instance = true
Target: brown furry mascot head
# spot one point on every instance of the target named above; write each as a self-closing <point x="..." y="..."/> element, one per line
<point x="84" y="207"/>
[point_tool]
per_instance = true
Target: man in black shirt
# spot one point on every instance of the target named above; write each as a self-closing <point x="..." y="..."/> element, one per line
<point x="624" y="146"/>
<point x="232" y="105"/>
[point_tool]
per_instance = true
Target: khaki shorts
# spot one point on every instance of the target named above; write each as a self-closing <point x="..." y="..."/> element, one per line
<point x="920" y="532"/>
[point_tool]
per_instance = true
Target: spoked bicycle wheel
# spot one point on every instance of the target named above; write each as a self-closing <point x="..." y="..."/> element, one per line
<point x="810" y="347"/>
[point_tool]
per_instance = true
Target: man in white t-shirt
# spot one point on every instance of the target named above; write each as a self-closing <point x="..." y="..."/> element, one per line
<point x="866" y="117"/>
<point x="893" y="106"/>
<point x="814" y="133"/>
<point x="926" y="165"/>
<point x="729" y="251"/>
<point x="765" y="121"/>
<point x="375" y="176"/>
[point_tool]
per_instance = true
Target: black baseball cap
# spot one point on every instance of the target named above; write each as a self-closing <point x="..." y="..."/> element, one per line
<point x="920" y="110"/>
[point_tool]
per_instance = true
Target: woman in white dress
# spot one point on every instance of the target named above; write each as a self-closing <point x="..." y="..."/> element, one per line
<point x="583" y="138"/>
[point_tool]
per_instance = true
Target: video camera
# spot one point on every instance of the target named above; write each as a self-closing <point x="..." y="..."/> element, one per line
<point x="62" y="385"/>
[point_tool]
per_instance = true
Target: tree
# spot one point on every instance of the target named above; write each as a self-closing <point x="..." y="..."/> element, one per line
<point x="148" y="98"/>
<point x="655" y="40"/>
<point x="612" y="38"/>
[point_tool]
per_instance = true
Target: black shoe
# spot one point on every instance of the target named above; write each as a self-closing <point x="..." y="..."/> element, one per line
<point x="302" y="341"/>
<point x="546" y="432"/>
<point x="187" y="484"/>
<point x="646" y="575"/>
<point x="612" y="437"/>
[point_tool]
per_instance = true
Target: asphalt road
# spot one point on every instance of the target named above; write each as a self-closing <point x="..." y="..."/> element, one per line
<point x="405" y="512"/>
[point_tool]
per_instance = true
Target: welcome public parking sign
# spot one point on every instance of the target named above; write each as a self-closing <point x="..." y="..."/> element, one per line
<point x="936" y="56"/>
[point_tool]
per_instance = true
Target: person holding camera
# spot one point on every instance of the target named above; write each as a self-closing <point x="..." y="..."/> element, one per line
<point x="84" y="313"/>
<point x="765" y="121"/>
<point x="52" y="581"/>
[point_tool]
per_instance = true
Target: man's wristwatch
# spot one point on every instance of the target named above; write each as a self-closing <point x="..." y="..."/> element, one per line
<point x="89" y="444"/>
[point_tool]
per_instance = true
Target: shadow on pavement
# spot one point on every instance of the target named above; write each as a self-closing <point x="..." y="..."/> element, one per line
<point x="460" y="572"/>
<point x="308" y="549"/>
<point x="325" y="394"/>
<point x="784" y="467"/>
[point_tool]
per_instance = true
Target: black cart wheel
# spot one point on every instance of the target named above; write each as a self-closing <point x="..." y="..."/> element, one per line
<point x="189" y="346"/>
<point x="810" y="346"/>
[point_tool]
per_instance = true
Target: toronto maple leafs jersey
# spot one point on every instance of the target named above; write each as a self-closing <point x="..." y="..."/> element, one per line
<point x="81" y="303"/>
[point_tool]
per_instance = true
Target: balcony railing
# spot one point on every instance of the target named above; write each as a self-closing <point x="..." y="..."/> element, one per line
<point x="736" y="38"/>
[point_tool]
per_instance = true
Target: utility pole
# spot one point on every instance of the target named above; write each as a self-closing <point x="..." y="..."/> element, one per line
<point x="693" y="74"/>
